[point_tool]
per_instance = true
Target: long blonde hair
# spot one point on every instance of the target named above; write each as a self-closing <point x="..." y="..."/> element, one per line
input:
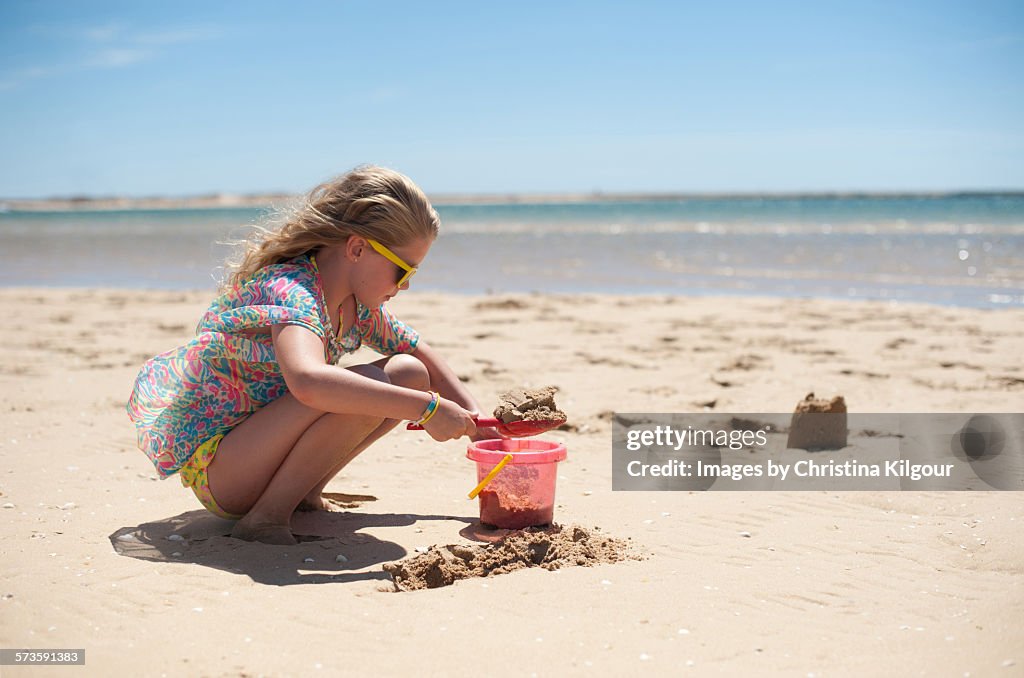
<point x="370" y="201"/>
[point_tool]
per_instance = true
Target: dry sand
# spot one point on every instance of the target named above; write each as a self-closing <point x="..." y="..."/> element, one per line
<point x="796" y="583"/>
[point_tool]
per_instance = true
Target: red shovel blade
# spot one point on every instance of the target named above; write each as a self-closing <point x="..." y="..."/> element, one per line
<point x="513" y="429"/>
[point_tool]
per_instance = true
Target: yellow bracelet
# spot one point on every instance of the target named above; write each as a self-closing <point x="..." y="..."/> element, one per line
<point x="435" y="402"/>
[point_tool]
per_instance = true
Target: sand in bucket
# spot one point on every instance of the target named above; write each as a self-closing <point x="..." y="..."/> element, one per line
<point x="523" y="493"/>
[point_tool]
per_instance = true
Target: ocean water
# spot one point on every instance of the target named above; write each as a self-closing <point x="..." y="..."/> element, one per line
<point x="961" y="250"/>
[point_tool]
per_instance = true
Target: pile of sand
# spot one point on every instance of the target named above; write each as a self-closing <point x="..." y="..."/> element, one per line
<point x="528" y="405"/>
<point x="551" y="548"/>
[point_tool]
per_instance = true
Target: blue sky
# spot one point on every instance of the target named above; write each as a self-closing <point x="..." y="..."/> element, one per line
<point x="185" y="98"/>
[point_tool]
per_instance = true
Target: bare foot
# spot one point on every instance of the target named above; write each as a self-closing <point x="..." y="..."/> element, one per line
<point x="319" y="503"/>
<point x="266" y="533"/>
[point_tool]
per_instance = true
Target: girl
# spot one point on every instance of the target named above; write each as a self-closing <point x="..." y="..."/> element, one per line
<point x="253" y="413"/>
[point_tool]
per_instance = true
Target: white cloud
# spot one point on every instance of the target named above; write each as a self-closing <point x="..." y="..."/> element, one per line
<point x="102" y="33"/>
<point x="122" y="33"/>
<point x="117" y="58"/>
<point x="12" y="79"/>
<point x="120" y="48"/>
<point x="176" y="36"/>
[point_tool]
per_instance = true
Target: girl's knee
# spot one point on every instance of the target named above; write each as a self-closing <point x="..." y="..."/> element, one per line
<point x="408" y="371"/>
<point x="371" y="371"/>
<point x="348" y="422"/>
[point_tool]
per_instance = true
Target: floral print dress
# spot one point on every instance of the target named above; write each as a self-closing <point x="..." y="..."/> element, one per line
<point x="208" y="386"/>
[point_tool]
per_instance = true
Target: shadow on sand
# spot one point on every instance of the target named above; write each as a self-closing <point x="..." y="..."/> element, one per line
<point x="203" y="539"/>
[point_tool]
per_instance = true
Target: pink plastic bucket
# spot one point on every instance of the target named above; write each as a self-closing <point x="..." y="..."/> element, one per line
<point x="523" y="493"/>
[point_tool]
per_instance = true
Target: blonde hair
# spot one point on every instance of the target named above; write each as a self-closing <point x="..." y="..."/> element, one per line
<point x="370" y="201"/>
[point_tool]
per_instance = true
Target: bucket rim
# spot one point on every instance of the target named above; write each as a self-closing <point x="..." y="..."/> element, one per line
<point x="535" y="452"/>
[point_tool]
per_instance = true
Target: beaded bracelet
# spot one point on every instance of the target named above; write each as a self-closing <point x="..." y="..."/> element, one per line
<point x="435" y="400"/>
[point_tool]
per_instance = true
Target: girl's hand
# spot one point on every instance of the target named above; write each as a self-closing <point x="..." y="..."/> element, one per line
<point x="488" y="433"/>
<point x="450" y="421"/>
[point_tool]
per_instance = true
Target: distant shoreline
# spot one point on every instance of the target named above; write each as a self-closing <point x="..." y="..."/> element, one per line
<point x="234" y="201"/>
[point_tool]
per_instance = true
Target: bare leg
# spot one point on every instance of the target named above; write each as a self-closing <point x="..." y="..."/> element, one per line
<point x="311" y="457"/>
<point x="270" y="461"/>
<point x="401" y="370"/>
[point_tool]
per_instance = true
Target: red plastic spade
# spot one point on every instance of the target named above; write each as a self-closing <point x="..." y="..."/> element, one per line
<point x="513" y="429"/>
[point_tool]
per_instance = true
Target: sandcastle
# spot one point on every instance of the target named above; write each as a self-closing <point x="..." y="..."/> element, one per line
<point x="818" y="424"/>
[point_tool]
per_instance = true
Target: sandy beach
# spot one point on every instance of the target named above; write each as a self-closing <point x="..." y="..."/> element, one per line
<point x="723" y="583"/>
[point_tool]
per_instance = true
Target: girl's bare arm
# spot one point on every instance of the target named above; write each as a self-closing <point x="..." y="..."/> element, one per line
<point x="450" y="386"/>
<point x="300" y="354"/>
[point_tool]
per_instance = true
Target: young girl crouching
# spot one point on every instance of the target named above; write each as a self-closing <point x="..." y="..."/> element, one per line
<point x="253" y="413"/>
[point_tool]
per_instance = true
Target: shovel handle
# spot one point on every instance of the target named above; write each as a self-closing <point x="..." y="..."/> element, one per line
<point x="490" y="476"/>
<point x="482" y="422"/>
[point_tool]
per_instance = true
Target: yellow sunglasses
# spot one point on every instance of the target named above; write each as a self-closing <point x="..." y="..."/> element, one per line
<point x="406" y="271"/>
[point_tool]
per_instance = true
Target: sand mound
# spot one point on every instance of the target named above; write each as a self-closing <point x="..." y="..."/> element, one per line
<point x="818" y="424"/>
<point x="528" y="405"/>
<point x="551" y="548"/>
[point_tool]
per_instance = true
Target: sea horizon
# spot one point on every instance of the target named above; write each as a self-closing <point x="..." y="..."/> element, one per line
<point x="963" y="249"/>
<point x="265" y="199"/>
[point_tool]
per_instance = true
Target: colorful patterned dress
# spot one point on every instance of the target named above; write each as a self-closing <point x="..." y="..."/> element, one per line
<point x="208" y="386"/>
